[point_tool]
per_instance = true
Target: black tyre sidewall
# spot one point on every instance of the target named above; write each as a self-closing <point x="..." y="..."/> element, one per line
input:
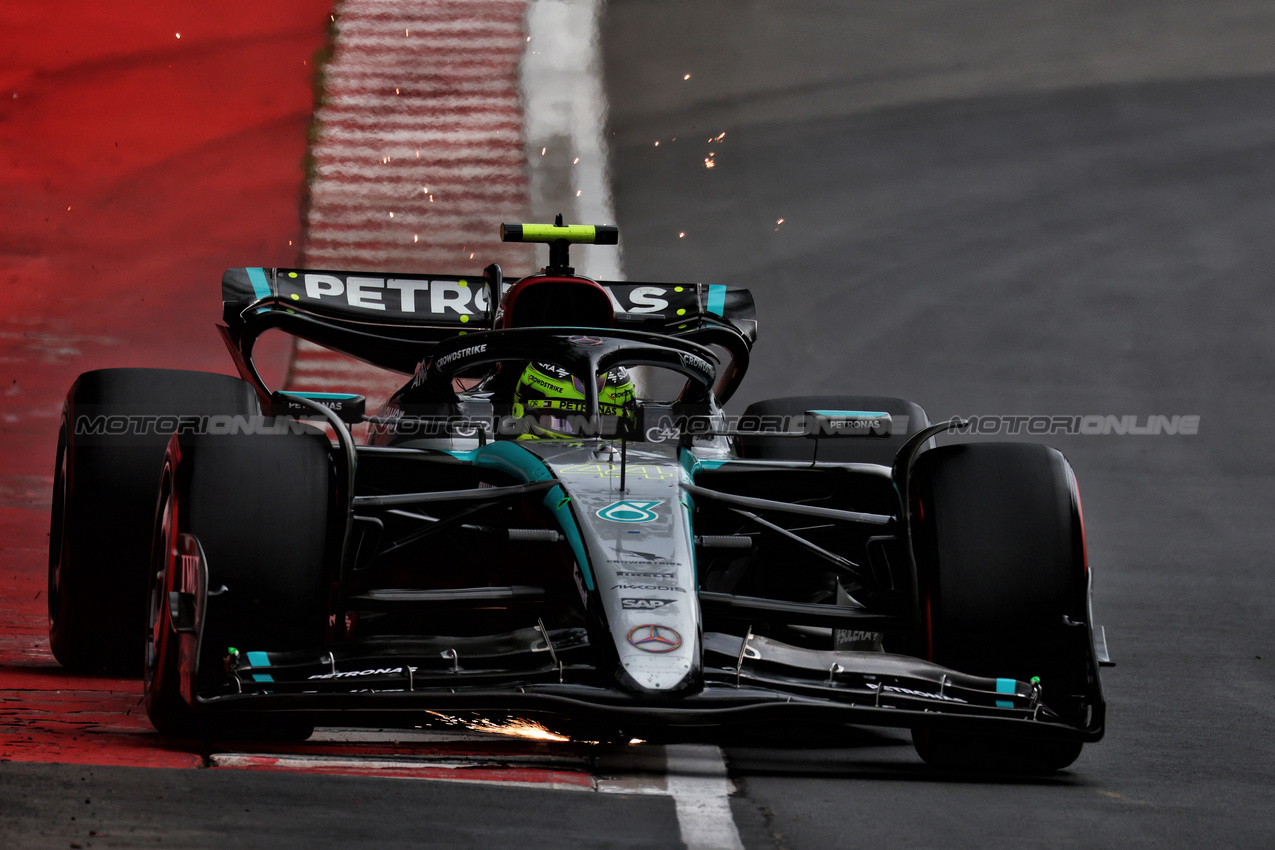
<point x="104" y="507"/>
<point x="1001" y="568"/>
<point x="260" y="506"/>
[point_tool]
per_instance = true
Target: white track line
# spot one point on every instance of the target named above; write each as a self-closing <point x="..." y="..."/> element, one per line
<point x="423" y="94"/>
<point x="563" y="100"/>
<point x="698" y="784"/>
<point x="460" y="120"/>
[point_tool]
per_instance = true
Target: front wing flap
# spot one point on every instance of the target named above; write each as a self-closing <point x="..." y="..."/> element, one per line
<point x="748" y="679"/>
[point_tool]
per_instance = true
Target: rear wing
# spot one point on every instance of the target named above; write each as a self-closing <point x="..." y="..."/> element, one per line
<point x="394" y="320"/>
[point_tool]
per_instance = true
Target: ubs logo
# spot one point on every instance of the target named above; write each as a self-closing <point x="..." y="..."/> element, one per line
<point x="653" y="638"/>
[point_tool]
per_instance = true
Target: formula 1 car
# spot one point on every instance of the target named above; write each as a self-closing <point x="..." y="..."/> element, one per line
<point x="624" y="561"/>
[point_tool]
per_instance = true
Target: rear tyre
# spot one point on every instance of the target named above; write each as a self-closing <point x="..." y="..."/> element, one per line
<point x="908" y="419"/>
<point x="115" y="425"/>
<point x="1003" y="590"/>
<point x="259" y="506"/>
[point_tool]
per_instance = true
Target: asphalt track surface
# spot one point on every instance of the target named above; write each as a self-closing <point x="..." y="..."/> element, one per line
<point x="998" y="209"/>
<point x="990" y="211"/>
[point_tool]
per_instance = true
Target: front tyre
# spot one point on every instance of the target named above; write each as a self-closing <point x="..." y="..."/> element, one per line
<point x="253" y="510"/>
<point x="1003" y="589"/>
<point x="115" y="426"/>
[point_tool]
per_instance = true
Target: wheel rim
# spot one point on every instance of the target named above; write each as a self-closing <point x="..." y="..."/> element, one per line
<point x="163" y="557"/>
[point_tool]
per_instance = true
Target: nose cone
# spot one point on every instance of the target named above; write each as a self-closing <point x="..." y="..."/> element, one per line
<point x="640" y="552"/>
<point x="662" y="660"/>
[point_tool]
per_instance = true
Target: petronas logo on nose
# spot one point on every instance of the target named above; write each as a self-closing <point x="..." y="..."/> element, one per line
<point x="629" y="511"/>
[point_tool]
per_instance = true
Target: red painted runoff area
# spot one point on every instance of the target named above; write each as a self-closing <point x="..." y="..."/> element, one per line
<point x="145" y="146"/>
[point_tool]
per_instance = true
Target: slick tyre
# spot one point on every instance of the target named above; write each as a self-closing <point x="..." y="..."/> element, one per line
<point x="258" y="506"/>
<point x="115" y="425"/>
<point x="908" y="419"/>
<point x="1003" y="590"/>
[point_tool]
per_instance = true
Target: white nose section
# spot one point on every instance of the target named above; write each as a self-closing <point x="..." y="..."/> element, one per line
<point x="658" y="674"/>
<point x="639" y="545"/>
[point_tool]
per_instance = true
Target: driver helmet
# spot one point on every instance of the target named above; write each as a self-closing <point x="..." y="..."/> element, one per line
<point x="550" y="400"/>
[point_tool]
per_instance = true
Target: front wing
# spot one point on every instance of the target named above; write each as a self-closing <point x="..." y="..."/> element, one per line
<point x="747" y="680"/>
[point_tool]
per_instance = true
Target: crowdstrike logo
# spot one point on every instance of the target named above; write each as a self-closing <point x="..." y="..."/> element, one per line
<point x="692" y="361"/>
<point x="447" y="359"/>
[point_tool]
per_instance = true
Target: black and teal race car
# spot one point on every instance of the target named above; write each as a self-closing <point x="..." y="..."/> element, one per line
<point x="651" y="567"/>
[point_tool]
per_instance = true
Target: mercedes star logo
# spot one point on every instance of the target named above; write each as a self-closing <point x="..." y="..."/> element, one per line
<point x="653" y="638"/>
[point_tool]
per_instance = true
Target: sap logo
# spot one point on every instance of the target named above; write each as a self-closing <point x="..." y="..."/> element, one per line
<point x="644" y="604"/>
<point x="405" y="295"/>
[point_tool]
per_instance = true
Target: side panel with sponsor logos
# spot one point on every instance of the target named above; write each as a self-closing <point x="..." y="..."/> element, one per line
<point x="639" y="543"/>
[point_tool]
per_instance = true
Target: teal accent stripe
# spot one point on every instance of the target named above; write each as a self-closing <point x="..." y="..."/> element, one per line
<point x="716" y="299"/>
<point x="508" y="456"/>
<point x="321" y="395"/>
<point x="850" y="412"/>
<point x="693" y="465"/>
<point x="687" y="464"/>
<point x="260" y="659"/>
<point x="260" y="286"/>
<point x="1005" y="686"/>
